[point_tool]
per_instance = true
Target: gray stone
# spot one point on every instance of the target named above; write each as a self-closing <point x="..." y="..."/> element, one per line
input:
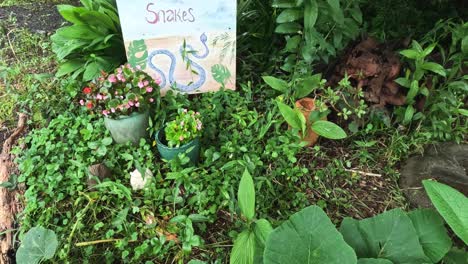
<point x="444" y="162"/>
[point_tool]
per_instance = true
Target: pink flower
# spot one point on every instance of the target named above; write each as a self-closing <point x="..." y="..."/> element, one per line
<point x="120" y="77"/>
<point x="105" y="112"/>
<point x="149" y="89"/>
<point x="112" y="78"/>
<point x="181" y="138"/>
<point x="99" y="97"/>
<point x="145" y="83"/>
<point x="151" y="100"/>
<point x="81" y="102"/>
<point x="138" y="67"/>
<point x="137" y="104"/>
<point x="113" y="110"/>
<point x="124" y="80"/>
<point x="119" y="70"/>
<point x="130" y="103"/>
<point x="128" y="66"/>
<point x="158" y="81"/>
<point x="140" y="84"/>
<point x="185" y="110"/>
<point x="116" y="93"/>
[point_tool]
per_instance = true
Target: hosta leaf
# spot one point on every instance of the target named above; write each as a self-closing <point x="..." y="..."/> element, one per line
<point x="432" y="233"/>
<point x="244" y="248"/>
<point x="328" y="129"/>
<point x="452" y="205"/>
<point x="38" y="244"/>
<point x="390" y="235"/>
<point x="308" y="237"/>
<point x="246" y="195"/>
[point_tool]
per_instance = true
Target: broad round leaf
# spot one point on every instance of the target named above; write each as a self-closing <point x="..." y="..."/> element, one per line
<point x="308" y="237"/>
<point x="390" y="235"/>
<point x="432" y="233"/>
<point x="452" y="205"/>
<point x="246" y="195"/>
<point x="374" y="261"/>
<point x="38" y="244"/>
<point x="328" y="129"/>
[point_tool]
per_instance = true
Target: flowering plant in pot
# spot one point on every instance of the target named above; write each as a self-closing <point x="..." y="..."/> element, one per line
<point x="182" y="135"/>
<point x="124" y="98"/>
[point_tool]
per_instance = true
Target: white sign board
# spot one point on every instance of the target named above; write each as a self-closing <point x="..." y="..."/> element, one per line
<point x="188" y="45"/>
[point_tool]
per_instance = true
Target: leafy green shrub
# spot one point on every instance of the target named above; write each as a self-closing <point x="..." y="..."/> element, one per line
<point x="316" y="30"/>
<point x="92" y="43"/>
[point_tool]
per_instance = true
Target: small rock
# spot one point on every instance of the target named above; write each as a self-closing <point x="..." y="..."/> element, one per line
<point x="137" y="181"/>
<point x="100" y="171"/>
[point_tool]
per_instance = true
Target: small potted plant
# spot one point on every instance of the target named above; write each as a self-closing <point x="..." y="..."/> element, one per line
<point x="124" y="97"/>
<point x="181" y="135"/>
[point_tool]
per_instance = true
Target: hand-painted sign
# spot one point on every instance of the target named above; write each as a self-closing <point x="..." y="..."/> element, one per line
<point x="188" y="45"/>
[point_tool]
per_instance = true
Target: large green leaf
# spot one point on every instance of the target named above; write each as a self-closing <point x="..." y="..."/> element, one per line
<point x="262" y="229"/>
<point x="220" y="73"/>
<point x="246" y="195"/>
<point x="38" y="244"/>
<point x="275" y="83"/>
<point x="290" y="15"/>
<point x="432" y="233"/>
<point x="293" y="117"/>
<point x="308" y="237"/>
<point x="244" y="248"/>
<point x="374" y="261"/>
<point x="288" y="28"/>
<point x="390" y="235"/>
<point x="452" y="205"/>
<point x="328" y="129"/>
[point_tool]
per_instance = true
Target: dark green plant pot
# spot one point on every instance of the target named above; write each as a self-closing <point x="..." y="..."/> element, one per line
<point x="191" y="149"/>
<point x="128" y="128"/>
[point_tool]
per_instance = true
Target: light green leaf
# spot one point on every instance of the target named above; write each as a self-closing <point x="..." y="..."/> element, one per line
<point x="411" y="54"/>
<point x="292" y="117"/>
<point x="413" y="91"/>
<point x="452" y="205"/>
<point x="38" y="244"/>
<point x="403" y="82"/>
<point x="290" y="15"/>
<point x="262" y="230"/>
<point x="390" y="235"/>
<point x="434" y="67"/>
<point x="92" y="71"/>
<point x="288" y="28"/>
<point x="69" y="67"/>
<point x="328" y="129"/>
<point x="409" y="113"/>
<point x="138" y="53"/>
<point x="246" y="195"/>
<point x="463" y="112"/>
<point x="244" y="248"/>
<point x="432" y="233"/>
<point x="277" y="84"/>
<point x="308" y="237"/>
<point x="337" y="12"/>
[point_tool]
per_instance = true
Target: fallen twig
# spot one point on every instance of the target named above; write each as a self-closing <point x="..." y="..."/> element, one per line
<point x="364" y="173"/>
